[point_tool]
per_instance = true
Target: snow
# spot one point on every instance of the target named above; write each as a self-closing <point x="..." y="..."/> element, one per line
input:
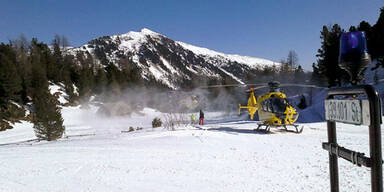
<point x="75" y="89"/>
<point x="234" y="77"/>
<point x="315" y="112"/>
<point x="224" y="155"/>
<point x="132" y="40"/>
<point x="250" y="61"/>
<point x="22" y="132"/>
<point x="99" y="154"/>
<point x="191" y="69"/>
<point x="169" y="66"/>
<point x="160" y="75"/>
<point x="369" y="73"/>
<point x="60" y="91"/>
<point x="147" y="31"/>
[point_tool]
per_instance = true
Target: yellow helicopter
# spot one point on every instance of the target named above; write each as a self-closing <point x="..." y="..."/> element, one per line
<point x="273" y="108"/>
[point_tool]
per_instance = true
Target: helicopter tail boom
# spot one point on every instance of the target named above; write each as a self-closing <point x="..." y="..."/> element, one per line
<point x="251" y="110"/>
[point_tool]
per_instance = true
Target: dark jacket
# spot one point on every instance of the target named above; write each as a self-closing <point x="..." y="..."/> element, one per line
<point x="201" y="114"/>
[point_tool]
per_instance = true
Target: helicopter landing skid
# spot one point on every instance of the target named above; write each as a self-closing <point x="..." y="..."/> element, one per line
<point x="268" y="128"/>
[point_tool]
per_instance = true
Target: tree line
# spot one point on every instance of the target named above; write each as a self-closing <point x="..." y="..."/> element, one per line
<point x="27" y="68"/>
<point x="288" y="71"/>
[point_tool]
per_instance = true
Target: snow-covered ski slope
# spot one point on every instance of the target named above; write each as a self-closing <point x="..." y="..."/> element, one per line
<point x="223" y="155"/>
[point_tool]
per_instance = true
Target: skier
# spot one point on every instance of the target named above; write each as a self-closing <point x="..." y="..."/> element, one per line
<point x="201" y="119"/>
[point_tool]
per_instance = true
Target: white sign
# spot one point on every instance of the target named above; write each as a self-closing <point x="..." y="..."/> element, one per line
<point x="348" y="111"/>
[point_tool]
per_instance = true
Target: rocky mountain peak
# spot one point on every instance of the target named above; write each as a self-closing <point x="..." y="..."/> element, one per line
<point x="170" y="62"/>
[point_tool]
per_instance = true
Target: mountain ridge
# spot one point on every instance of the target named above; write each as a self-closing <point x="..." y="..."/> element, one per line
<point x="170" y="62"/>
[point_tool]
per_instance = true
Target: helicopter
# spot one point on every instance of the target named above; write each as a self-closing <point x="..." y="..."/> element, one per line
<point x="272" y="108"/>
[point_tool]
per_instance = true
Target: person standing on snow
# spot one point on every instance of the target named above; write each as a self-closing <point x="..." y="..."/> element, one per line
<point x="193" y="117"/>
<point x="201" y="119"/>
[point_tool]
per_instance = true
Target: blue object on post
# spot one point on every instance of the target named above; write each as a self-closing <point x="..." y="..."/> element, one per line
<point x="354" y="57"/>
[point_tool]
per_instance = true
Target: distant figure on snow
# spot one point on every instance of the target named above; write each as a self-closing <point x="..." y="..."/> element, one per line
<point x="201" y="119"/>
<point x="193" y="118"/>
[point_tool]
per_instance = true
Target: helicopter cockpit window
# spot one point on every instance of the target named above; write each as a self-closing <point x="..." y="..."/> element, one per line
<point x="269" y="106"/>
<point x="263" y="106"/>
<point x="266" y="106"/>
<point x="278" y="105"/>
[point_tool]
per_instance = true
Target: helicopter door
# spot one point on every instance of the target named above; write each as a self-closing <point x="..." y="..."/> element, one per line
<point x="266" y="110"/>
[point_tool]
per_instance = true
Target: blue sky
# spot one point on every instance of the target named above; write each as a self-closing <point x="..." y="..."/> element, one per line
<point x="265" y="28"/>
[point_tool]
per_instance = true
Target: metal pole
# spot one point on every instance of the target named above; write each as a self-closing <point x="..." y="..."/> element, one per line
<point x="374" y="136"/>
<point x="333" y="164"/>
<point x="375" y="140"/>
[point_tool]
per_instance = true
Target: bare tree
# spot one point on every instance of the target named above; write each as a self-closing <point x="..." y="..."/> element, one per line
<point x="64" y="42"/>
<point x="172" y="121"/>
<point x="56" y="40"/>
<point x="20" y="43"/>
<point x="61" y="41"/>
<point x="292" y="59"/>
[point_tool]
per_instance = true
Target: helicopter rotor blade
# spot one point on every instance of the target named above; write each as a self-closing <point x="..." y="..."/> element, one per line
<point x="218" y="86"/>
<point x="231" y="85"/>
<point x="256" y="88"/>
<point x="302" y="85"/>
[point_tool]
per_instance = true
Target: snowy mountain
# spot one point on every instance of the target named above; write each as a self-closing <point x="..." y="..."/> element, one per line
<point x="170" y="62"/>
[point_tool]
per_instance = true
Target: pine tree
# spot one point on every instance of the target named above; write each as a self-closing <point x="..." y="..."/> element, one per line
<point x="378" y="37"/>
<point x="10" y="87"/>
<point x="101" y="81"/>
<point x="299" y="75"/>
<point x="328" y="56"/>
<point x="47" y="120"/>
<point x="115" y="79"/>
<point x="367" y="29"/>
<point x="85" y="83"/>
<point x="23" y="64"/>
<point x="316" y="77"/>
<point x="352" y="29"/>
<point x="10" y="80"/>
<point x="86" y="77"/>
<point x="55" y="64"/>
<point x="376" y="78"/>
<point x="114" y="91"/>
<point x="69" y="70"/>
